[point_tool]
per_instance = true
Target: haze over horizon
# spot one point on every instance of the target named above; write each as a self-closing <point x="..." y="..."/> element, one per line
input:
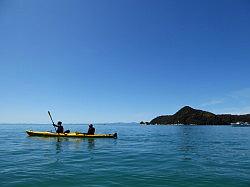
<point x="95" y="61"/>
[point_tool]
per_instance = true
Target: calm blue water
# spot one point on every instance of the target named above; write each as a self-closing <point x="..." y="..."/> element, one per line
<point x="141" y="156"/>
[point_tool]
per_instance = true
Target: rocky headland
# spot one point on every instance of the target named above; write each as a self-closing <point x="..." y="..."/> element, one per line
<point x="190" y="116"/>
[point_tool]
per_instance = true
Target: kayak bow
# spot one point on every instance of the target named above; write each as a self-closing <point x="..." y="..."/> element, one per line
<point x="70" y="135"/>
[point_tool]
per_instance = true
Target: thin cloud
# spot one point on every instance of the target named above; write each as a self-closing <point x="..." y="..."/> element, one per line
<point x="239" y="94"/>
<point x="236" y="110"/>
<point x="213" y="102"/>
<point x="235" y="102"/>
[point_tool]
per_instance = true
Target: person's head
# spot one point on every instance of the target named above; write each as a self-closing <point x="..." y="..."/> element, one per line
<point x="90" y="125"/>
<point x="59" y="123"/>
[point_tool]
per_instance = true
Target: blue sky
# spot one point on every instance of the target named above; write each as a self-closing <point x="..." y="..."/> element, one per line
<point x="122" y="60"/>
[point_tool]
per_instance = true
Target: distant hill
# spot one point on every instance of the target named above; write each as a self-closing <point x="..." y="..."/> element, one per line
<point x="188" y="115"/>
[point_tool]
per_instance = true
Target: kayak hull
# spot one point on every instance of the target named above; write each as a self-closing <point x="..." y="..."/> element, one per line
<point x="69" y="135"/>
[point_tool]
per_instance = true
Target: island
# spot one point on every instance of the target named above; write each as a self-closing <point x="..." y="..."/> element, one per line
<point x="190" y="116"/>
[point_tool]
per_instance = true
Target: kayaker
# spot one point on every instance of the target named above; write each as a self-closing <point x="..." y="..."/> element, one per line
<point x="91" y="130"/>
<point x="59" y="127"/>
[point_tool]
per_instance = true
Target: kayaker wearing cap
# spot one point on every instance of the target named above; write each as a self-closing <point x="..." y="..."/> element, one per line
<point x="59" y="127"/>
<point x="91" y="130"/>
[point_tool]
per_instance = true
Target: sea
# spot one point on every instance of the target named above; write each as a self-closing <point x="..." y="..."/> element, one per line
<point x="143" y="156"/>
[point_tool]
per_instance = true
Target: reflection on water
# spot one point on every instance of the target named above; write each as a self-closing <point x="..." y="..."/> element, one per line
<point x="58" y="149"/>
<point x="56" y="139"/>
<point x="186" y="146"/>
<point x="91" y="143"/>
<point x="58" y="146"/>
<point x="60" y="142"/>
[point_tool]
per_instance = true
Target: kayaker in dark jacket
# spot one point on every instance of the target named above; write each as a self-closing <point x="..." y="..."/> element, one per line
<point x="91" y="130"/>
<point x="59" y="127"/>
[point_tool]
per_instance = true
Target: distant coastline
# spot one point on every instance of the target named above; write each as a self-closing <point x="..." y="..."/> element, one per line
<point x="190" y="116"/>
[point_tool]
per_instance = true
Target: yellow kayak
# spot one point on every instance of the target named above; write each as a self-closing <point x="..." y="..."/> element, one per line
<point x="70" y="135"/>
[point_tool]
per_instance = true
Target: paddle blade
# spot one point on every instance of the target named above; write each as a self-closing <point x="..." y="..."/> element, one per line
<point x="51" y="118"/>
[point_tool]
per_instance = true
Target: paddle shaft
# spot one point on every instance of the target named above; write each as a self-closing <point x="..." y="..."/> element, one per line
<point x="52" y="120"/>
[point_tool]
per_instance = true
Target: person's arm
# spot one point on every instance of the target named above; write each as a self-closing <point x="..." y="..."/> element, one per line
<point x="56" y="125"/>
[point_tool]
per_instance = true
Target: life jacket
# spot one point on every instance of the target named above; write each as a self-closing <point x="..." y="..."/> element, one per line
<point x="60" y="129"/>
<point x="91" y="130"/>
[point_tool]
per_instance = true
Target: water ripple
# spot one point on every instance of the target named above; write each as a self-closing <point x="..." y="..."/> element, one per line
<point x="141" y="156"/>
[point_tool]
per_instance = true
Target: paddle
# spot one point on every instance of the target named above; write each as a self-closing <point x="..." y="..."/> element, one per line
<point x="53" y="125"/>
<point x="52" y="120"/>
